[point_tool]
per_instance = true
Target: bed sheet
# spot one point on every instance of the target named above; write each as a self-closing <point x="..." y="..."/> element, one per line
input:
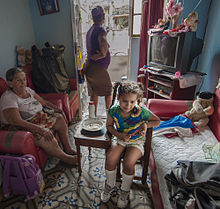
<point x="168" y="150"/>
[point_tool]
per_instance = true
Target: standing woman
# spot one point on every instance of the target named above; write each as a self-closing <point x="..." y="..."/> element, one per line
<point x="98" y="60"/>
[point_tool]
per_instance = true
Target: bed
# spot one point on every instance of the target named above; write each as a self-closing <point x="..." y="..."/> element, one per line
<point x="166" y="151"/>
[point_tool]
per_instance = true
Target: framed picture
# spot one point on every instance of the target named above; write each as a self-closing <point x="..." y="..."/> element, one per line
<point x="48" y="6"/>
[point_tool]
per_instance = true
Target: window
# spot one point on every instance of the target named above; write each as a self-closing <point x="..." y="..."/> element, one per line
<point x="136" y="13"/>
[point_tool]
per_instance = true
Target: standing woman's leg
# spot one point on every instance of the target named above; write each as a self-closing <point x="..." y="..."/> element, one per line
<point x="108" y="101"/>
<point x="95" y="98"/>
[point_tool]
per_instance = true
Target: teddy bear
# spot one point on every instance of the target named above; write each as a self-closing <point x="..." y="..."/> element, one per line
<point x="20" y="56"/>
<point x="160" y="23"/>
<point x="202" y="108"/>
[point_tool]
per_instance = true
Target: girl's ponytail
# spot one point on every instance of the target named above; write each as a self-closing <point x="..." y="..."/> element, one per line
<point x="115" y="89"/>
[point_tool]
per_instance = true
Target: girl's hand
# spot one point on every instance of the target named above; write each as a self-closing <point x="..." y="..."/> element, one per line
<point x="125" y="137"/>
<point x="142" y="130"/>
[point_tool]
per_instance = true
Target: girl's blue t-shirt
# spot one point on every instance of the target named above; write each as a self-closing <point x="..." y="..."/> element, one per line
<point x="132" y="123"/>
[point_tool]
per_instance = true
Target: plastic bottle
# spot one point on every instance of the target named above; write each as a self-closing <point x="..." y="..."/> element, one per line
<point x="91" y="109"/>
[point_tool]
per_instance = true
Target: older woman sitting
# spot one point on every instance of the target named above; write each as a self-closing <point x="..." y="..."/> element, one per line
<point x="22" y="108"/>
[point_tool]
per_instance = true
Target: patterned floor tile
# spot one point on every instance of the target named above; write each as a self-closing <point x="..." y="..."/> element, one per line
<point x="138" y="198"/>
<point x="83" y="197"/>
<point x="55" y="205"/>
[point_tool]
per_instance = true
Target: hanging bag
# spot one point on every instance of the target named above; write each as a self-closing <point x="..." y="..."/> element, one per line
<point x="21" y="176"/>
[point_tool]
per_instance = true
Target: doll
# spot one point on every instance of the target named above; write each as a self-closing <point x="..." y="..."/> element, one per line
<point x="20" y="56"/>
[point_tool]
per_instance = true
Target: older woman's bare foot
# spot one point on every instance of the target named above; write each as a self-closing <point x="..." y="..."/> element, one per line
<point x="72" y="152"/>
<point x="70" y="159"/>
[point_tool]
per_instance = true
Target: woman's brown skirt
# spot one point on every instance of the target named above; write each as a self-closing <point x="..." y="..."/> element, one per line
<point x="98" y="80"/>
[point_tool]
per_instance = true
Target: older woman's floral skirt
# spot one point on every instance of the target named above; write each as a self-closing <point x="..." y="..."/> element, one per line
<point x="42" y="119"/>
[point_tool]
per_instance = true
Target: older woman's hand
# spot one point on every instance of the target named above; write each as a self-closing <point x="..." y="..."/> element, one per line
<point x="47" y="134"/>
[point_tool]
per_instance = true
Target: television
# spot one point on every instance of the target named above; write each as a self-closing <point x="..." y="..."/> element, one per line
<point x="172" y="54"/>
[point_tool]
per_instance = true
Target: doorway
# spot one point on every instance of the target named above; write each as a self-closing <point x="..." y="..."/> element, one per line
<point x="116" y="20"/>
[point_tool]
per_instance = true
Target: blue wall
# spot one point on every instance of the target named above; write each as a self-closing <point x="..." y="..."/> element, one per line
<point x="22" y="24"/>
<point x="208" y="29"/>
<point x="56" y="29"/>
<point x="203" y="11"/>
<point x="211" y="49"/>
<point x="16" y="29"/>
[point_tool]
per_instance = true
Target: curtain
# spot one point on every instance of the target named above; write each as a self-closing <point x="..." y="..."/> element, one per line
<point x="153" y="10"/>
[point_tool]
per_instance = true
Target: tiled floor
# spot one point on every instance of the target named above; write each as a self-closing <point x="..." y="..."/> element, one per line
<point x="65" y="189"/>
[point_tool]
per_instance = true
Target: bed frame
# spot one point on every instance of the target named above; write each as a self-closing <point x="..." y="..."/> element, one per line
<point x="169" y="109"/>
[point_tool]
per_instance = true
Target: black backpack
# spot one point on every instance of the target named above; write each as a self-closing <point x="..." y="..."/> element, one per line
<point x="48" y="70"/>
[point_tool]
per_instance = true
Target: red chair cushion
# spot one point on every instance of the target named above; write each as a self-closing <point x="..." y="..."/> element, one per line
<point x="3" y="86"/>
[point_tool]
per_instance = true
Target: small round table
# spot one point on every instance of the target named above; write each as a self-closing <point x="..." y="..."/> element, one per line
<point x="103" y="142"/>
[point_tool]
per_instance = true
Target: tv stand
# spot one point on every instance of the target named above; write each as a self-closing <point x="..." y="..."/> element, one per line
<point x="156" y="69"/>
<point x="165" y="85"/>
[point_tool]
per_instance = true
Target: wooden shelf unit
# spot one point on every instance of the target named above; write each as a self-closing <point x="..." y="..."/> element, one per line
<point x="161" y="85"/>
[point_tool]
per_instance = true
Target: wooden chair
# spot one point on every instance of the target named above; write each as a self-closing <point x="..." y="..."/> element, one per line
<point x="144" y="160"/>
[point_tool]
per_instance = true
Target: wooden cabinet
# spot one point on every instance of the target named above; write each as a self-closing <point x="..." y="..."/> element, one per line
<point x="164" y="85"/>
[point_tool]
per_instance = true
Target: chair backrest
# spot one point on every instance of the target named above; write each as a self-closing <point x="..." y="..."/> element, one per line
<point x="3" y="86"/>
<point x="27" y="70"/>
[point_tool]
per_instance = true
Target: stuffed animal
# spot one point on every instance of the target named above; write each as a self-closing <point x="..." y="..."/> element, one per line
<point x="201" y="109"/>
<point x="20" y="56"/>
<point x="163" y="24"/>
<point x="160" y="23"/>
<point x="191" y="21"/>
<point x="28" y="57"/>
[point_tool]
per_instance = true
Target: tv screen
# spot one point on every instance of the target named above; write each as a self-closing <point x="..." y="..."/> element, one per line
<point x="163" y="50"/>
<point x="171" y="54"/>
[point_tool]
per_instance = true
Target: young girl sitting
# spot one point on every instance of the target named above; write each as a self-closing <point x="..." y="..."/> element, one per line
<point x="128" y="122"/>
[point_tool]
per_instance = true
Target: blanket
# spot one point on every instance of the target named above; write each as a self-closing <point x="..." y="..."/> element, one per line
<point x="178" y="125"/>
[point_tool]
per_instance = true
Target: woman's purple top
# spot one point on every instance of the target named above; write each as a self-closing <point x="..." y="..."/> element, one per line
<point x="92" y="45"/>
